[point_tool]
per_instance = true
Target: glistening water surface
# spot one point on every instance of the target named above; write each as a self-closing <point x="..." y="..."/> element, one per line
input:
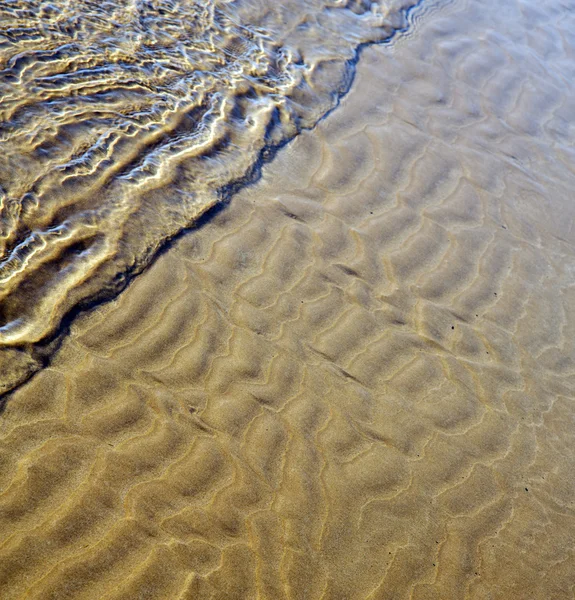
<point x="122" y="122"/>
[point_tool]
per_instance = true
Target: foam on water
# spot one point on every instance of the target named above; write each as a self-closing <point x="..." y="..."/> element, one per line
<point x="122" y="122"/>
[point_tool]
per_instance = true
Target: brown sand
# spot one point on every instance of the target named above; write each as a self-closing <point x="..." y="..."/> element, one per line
<point x="122" y="122"/>
<point x="358" y="380"/>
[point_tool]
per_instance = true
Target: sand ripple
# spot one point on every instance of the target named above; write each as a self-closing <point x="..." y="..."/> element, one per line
<point x="121" y="123"/>
<point x="358" y="380"/>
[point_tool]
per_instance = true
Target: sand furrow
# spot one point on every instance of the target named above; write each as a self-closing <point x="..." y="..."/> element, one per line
<point x="357" y="380"/>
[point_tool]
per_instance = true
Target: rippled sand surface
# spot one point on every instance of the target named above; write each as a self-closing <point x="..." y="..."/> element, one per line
<point x="122" y="122"/>
<point x="354" y="381"/>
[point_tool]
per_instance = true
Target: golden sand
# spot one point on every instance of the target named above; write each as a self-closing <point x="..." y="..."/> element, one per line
<point x="357" y="381"/>
<point x="122" y="122"/>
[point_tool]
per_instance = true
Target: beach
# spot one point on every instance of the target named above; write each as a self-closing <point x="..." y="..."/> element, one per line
<point x="353" y="379"/>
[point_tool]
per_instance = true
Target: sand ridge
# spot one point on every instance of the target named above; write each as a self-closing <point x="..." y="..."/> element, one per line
<point x="357" y="381"/>
<point x="123" y="123"/>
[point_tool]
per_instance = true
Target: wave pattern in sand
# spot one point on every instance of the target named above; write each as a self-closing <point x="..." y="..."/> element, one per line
<point x="358" y="380"/>
<point x="122" y="122"/>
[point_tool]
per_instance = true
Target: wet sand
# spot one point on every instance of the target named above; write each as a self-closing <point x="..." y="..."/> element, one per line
<point x="357" y="380"/>
<point x="123" y="123"/>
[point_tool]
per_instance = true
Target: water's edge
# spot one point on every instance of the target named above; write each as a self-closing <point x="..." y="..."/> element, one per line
<point x="41" y="353"/>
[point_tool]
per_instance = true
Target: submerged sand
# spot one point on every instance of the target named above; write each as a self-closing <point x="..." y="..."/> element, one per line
<point x="355" y="381"/>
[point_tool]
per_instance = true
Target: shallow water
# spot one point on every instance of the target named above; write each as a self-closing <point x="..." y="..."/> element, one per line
<point x="121" y="123"/>
<point x="357" y="380"/>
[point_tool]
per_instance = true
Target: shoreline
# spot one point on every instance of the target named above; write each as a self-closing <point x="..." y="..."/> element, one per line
<point x="357" y="380"/>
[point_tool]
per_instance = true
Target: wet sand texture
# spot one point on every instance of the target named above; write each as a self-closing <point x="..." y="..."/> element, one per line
<point x="123" y="122"/>
<point x="355" y="382"/>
